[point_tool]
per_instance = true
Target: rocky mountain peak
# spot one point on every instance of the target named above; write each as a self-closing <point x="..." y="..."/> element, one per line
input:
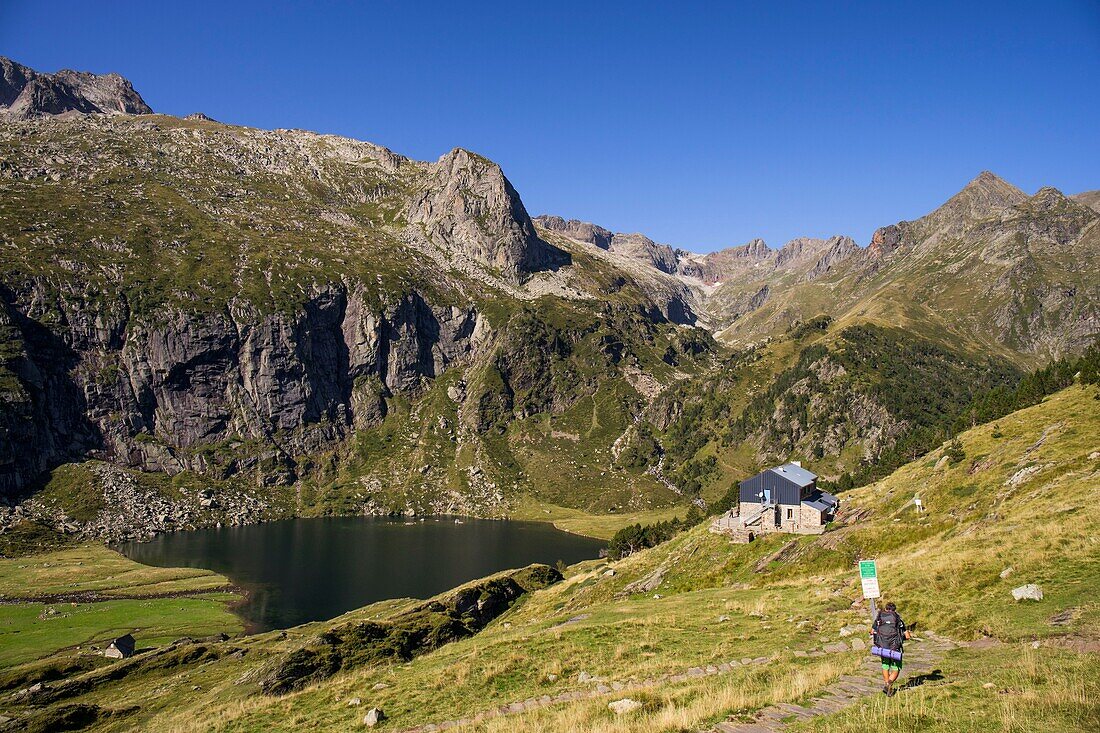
<point x="985" y="196"/>
<point x="468" y="204"/>
<point x="575" y="229"/>
<point x="26" y="93"/>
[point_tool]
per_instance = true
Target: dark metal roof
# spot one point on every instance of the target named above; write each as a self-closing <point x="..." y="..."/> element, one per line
<point x="822" y="501"/>
<point x="125" y="644"/>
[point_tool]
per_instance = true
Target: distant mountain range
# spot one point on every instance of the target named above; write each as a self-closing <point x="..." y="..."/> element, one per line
<point x="358" y="331"/>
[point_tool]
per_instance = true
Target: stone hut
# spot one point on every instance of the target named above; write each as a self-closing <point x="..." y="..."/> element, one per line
<point x="121" y="648"/>
<point x="785" y="499"/>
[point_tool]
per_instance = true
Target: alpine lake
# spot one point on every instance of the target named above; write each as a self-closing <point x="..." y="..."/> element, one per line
<point x="311" y="569"/>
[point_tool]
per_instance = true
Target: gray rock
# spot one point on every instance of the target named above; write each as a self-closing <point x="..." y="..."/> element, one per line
<point x="355" y="701"/>
<point x="373" y="717"/>
<point x="852" y="629"/>
<point x="624" y="706"/>
<point x="1029" y="592"/>
<point x="1007" y="572"/>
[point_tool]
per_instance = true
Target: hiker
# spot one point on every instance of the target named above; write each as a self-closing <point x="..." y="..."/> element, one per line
<point x="888" y="634"/>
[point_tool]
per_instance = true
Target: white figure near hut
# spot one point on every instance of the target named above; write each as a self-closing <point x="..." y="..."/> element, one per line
<point x="780" y="499"/>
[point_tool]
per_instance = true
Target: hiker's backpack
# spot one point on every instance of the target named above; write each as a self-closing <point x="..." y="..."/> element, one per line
<point x="888" y="631"/>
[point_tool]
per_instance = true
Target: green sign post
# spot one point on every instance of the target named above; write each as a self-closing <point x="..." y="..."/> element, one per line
<point x="868" y="578"/>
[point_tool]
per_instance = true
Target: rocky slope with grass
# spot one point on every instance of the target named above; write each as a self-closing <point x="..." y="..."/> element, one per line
<point x="698" y="630"/>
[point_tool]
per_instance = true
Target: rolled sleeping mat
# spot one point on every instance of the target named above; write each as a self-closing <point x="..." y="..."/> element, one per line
<point x="879" y="651"/>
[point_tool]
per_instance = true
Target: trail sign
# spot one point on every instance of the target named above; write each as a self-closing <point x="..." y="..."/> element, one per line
<point x="868" y="577"/>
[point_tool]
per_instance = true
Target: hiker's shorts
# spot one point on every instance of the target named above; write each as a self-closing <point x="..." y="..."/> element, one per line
<point x="892" y="665"/>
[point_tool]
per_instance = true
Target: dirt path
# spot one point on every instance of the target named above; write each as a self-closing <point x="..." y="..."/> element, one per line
<point x="921" y="656"/>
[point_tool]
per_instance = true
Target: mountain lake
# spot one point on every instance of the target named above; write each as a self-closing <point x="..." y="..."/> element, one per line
<point x="313" y="569"/>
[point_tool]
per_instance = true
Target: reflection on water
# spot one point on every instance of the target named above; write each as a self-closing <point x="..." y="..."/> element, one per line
<point x="301" y="570"/>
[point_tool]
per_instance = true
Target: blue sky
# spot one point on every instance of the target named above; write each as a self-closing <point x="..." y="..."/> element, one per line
<point x="700" y="124"/>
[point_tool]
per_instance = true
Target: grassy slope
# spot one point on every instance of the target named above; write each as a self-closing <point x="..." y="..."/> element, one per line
<point x="780" y="593"/>
<point x="30" y="630"/>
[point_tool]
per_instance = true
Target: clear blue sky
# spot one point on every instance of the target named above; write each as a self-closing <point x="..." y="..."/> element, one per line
<point x="701" y="124"/>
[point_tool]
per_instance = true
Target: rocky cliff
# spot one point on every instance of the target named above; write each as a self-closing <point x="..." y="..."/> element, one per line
<point x="26" y="93"/>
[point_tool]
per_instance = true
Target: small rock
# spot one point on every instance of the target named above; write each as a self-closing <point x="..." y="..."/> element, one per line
<point x="1062" y="619"/>
<point x="626" y="705"/>
<point x="1007" y="572"/>
<point x="988" y="686"/>
<point x="354" y="701"/>
<point x="380" y="686"/>
<point x="585" y="677"/>
<point x="858" y="644"/>
<point x="657" y="595"/>
<point x="851" y="629"/>
<point x="723" y="619"/>
<point x="1029" y="592"/>
<point x="373" y="717"/>
<point x="551" y="678"/>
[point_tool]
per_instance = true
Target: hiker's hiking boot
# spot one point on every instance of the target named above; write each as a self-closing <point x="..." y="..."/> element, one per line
<point x="886" y="690"/>
<point x="890" y="692"/>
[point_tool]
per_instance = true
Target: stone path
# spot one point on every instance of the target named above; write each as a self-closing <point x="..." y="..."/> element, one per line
<point x="919" y="657"/>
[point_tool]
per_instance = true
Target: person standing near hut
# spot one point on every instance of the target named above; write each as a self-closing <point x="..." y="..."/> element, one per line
<point x="889" y="632"/>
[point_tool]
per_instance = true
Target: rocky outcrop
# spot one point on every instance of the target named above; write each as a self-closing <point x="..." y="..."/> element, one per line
<point x="26" y="93"/>
<point x="467" y="204"/>
<point x="424" y="627"/>
<point x="836" y="250"/>
<point x="129" y="510"/>
<point x="635" y="246"/>
<point x="582" y="231"/>
<point x="223" y="392"/>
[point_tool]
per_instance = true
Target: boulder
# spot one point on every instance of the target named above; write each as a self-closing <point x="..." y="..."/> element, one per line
<point x="852" y="629"/>
<point x="626" y="705"/>
<point x="373" y="717"/>
<point x="1029" y="592"/>
<point x="858" y="644"/>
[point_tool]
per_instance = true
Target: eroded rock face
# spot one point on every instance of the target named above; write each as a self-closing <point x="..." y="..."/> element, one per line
<point x="582" y="231"/>
<point x="468" y="204"/>
<point x="26" y="93"/>
<point x="149" y="392"/>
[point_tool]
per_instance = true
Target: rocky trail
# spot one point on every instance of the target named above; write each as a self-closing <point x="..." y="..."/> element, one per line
<point x="922" y="656"/>
<point x="920" y="659"/>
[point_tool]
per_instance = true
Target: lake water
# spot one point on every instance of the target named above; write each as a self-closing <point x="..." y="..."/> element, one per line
<point x="301" y="570"/>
